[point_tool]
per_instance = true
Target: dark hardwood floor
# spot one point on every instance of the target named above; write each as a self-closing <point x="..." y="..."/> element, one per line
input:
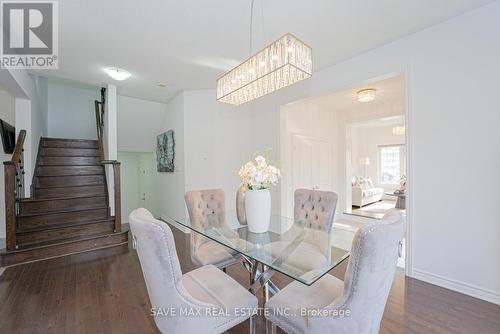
<point x="103" y="292"/>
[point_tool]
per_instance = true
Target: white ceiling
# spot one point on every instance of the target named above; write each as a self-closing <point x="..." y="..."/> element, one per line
<point x="189" y="43"/>
<point x="390" y="90"/>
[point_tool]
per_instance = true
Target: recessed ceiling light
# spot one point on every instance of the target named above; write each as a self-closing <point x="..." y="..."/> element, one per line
<point x="117" y="73"/>
<point x="366" y="95"/>
<point x="161" y="84"/>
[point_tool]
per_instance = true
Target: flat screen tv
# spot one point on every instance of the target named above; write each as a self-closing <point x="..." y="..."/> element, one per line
<point x="8" y="133"/>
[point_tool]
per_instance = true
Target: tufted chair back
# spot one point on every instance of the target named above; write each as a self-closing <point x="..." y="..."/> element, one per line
<point x="206" y="208"/>
<point x="368" y="279"/>
<point x="162" y="273"/>
<point x="315" y="209"/>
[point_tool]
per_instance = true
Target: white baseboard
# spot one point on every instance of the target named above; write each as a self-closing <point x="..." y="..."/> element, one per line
<point x="465" y="288"/>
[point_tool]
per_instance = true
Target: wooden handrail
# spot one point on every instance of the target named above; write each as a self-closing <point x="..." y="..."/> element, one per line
<point x="18" y="149"/>
<point x="14" y="186"/>
<point x="10" y="205"/>
<point x="99" y="119"/>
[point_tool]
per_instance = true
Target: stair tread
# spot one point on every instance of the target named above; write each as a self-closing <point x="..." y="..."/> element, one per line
<point x="48" y="151"/>
<point x="70" y="185"/>
<point x="69" y="175"/>
<point x="83" y="185"/>
<point x="59" y="198"/>
<point x="24" y="215"/>
<point x="73" y="165"/>
<point x="44" y="244"/>
<point x="69" y="170"/>
<point x="71" y="192"/>
<point x="39" y="252"/>
<point x="62" y="225"/>
<point x="68" y="161"/>
<point x="68" y="139"/>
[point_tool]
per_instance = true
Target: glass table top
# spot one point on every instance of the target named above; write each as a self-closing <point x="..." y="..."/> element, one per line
<point x="301" y="253"/>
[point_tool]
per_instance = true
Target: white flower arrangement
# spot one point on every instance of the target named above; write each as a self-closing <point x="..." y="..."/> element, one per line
<point x="257" y="174"/>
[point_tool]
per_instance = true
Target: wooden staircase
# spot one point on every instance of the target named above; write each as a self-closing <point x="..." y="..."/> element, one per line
<point x="68" y="211"/>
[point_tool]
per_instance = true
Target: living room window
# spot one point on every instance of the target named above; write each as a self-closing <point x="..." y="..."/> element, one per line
<point x="391" y="163"/>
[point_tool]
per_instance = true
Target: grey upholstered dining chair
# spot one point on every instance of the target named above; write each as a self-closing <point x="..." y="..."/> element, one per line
<point x="315" y="208"/>
<point x="201" y="293"/>
<point x="355" y="305"/>
<point x="208" y="207"/>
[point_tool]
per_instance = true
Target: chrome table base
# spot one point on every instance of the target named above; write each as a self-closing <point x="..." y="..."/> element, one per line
<point x="260" y="279"/>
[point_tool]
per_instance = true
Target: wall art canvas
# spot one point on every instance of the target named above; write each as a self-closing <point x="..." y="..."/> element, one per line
<point x="165" y="151"/>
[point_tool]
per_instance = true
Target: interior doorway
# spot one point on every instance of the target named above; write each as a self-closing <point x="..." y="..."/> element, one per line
<point x="136" y="173"/>
<point x="328" y="141"/>
<point x="376" y="166"/>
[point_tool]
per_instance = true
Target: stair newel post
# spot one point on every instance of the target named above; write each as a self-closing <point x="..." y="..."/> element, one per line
<point x="10" y="204"/>
<point x="14" y="180"/>
<point x="118" y="205"/>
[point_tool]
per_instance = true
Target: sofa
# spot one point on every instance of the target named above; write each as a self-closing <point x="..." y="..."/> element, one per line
<point x="364" y="192"/>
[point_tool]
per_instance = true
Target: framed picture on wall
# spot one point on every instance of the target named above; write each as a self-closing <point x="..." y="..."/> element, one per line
<point x="165" y="151"/>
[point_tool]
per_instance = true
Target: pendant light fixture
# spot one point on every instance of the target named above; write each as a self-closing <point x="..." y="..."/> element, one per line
<point x="280" y="64"/>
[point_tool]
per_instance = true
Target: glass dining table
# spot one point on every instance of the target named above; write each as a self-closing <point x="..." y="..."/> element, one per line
<point x="299" y="252"/>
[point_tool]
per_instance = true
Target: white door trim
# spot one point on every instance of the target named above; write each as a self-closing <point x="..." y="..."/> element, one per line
<point x="409" y="123"/>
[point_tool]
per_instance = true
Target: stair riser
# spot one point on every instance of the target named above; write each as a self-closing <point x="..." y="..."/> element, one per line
<point x="83" y="191"/>
<point x="60" y="152"/>
<point x="63" y="204"/>
<point x="69" y="170"/>
<point x="65" y="181"/>
<point x="36" y="254"/>
<point x="65" y="143"/>
<point x="67" y="161"/>
<point x="25" y="239"/>
<point x="63" y="217"/>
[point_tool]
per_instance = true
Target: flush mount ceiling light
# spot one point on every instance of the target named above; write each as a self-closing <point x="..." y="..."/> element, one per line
<point x="161" y="84"/>
<point x="282" y="63"/>
<point x="366" y="95"/>
<point x="117" y="73"/>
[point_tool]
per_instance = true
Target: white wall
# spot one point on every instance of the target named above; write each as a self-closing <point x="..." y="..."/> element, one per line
<point x="139" y="122"/>
<point x="217" y="142"/>
<point x="71" y="111"/>
<point x="27" y="104"/>
<point x="110" y="141"/>
<point x="31" y="114"/>
<point x="7" y="113"/>
<point x="169" y="188"/>
<point x="453" y="71"/>
<point x="211" y="143"/>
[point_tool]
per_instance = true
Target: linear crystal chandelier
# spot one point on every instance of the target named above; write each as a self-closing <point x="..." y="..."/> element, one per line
<point x="282" y="63"/>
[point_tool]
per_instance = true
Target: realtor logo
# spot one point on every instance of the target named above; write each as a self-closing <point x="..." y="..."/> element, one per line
<point x="29" y="35"/>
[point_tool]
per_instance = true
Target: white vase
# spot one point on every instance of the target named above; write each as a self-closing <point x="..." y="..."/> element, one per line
<point x="258" y="210"/>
